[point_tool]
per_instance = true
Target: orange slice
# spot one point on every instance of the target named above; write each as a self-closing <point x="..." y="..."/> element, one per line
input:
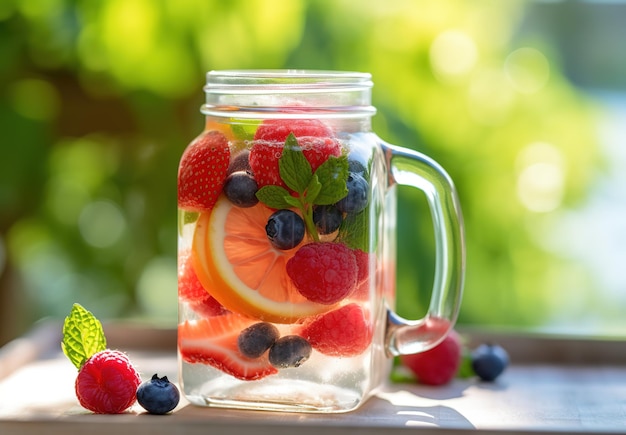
<point x="238" y="266"/>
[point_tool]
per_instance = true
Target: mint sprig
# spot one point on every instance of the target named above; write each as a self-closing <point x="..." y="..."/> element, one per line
<point x="83" y="336"/>
<point x="325" y="186"/>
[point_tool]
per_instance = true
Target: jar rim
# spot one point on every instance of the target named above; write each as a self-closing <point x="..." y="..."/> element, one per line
<point x="301" y="79"/>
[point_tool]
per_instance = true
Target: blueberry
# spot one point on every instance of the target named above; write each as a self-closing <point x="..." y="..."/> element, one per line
<point x="327" y="218"/>
<point x="289" y="351"/>
<point x="285" y="229"/>
<point x="255" y="340"/>
<point x="158" y="395"/>
<point x="240" y="188"/>
<point x="239" y="162"/>
<point x="489" y="361"/>
<point x="356" y="199"/>
<point x="356" y="167"/>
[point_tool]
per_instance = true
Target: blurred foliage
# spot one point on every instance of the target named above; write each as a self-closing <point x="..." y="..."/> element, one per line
<point x="99" y="98"/>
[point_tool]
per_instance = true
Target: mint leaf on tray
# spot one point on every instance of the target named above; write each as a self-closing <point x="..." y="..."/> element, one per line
<point x="83" y="336"/>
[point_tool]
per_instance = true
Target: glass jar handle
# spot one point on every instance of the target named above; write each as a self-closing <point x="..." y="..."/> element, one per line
<point x="411" y="168"/>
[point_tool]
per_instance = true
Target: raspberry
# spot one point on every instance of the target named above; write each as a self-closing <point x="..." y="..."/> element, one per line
<point x="323" y="272"/>
<point x="342" y="332"/>
<point x="362" y="261"/>
<point x="107" y="383"/>
<point x="315" y="139"/>
<point x="191" y="290"/>
<point x="439" y="365"/>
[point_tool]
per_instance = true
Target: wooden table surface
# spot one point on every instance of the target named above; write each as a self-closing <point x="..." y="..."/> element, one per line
<point x="555" y="385"/>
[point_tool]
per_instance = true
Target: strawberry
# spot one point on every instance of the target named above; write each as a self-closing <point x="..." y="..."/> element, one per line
<point x="277" y="130"/>
<point x="342" y="332"/>
<point x="191" y="290"/>
<point x="439" y="365"/>
<point x="202" y="171"/>
<point x="314" y="137"/>
<point x="213" y="341"/>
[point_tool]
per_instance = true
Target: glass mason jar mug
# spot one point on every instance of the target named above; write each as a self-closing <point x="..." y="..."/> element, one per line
<point x="286" y="245"/>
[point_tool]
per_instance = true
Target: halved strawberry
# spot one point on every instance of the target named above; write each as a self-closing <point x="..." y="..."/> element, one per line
<point x="314" y="137"/>
<point x="191" y="291"/>
<point x="213" y="341"/>
<point x="202" y="171"/>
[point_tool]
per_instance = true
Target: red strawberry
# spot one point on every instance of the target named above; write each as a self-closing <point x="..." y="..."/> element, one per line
<point x="107" y="383"/>
<point x="277" y="130"/>
<point x="202" y="171"/>
<point x="191" y="290"/>
<point x="213" y="341"/>
<point x="439" y="365"/>
<point x="323" y="272"/>
<point x="342" y="332"/>
<point x="314" y="137"/>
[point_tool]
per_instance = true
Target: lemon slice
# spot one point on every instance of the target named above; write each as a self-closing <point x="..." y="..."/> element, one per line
<point x="238" y="266"/>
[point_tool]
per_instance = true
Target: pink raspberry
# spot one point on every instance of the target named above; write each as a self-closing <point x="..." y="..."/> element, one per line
<point x="323" y="272"/>
<point x="342" y="332"/>
<point x="439" y="365"/>
<point x="107" y="383"/>
<point x="362" y="261"/>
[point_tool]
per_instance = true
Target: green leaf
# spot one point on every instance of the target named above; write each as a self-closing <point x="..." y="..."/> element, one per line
<point x="83" y="336"/>
<point x="243" y="129"/>
<point x="353" y="230"/>
<point x="295" y="170"/>
<point x="293" y="202"/>
<point x="333" y="175"/>
<point x="274" y="196"/>
<point x="313" y="189"/>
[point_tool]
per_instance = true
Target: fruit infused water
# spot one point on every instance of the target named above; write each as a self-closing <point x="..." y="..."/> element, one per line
<point x="275" y="265"/>
<point x="286" y="245"/>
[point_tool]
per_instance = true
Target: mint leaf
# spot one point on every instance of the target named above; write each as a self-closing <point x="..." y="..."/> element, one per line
<point x="83" y="336"/>
<point x="353" y="231"/>
<point x="274" y="196"/>
<point x="295" y="169"/>
<point x="313" y="189"/>
<point x="293" y="202"/>
<point x="333" y="175"/>
<point x="243" y="129"/>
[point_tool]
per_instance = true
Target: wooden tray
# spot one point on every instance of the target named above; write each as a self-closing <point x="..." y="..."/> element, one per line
<point x="555" y="385"/>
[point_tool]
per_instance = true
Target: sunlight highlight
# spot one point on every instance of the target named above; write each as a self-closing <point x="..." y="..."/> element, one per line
<point x="453" y="53"/>
<point x="527" y="69"/>
<point x="541" y="179"/>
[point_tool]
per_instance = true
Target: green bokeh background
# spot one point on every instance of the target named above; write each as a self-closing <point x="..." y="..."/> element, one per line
<point x="99" y="98"/>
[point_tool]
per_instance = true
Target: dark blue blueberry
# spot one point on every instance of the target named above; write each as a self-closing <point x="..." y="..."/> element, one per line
<point x="158" y="395"/>
<point x="356" y="167"/>
<point x="285" y="229"/>
<point x="489" y="361"/>
<point x="240" y="188"/>
<point x="327" y="218"/>
<point x="255" y="340"/>
<point x="239" y="162"/>
<point x="356" y="199"/>
<point x="289" y="351"/>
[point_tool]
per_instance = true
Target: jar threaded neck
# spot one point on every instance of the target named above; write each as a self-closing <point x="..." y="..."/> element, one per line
<point x="288" y="94"/>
